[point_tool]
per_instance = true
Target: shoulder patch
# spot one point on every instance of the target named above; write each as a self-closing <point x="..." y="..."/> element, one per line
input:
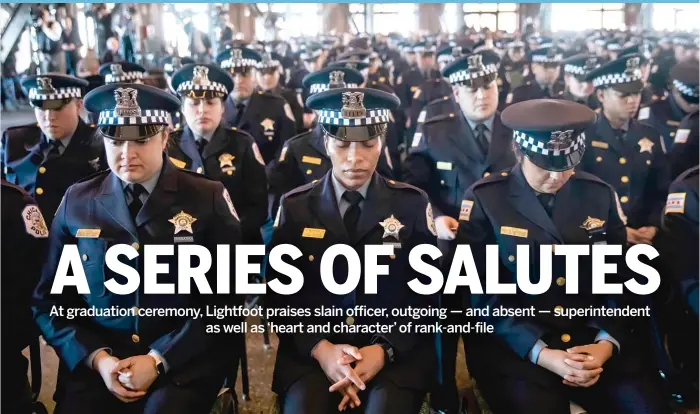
<point x="491" y="178"/>
<point x="430" y="220"/>
<point x="675" y="203"/>
<point x="258" y="155"/>
<point x="34" y="222"/>
<point x="283" y="153"/>
<point x="681" y="136"/>
<point x="229" y="202"/>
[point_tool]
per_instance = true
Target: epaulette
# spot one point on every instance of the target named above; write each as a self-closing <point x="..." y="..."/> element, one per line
<point x="490" y="178"/>
<point x="93" y="175"/>
<point x="582" y="175"/>
<point x="403" y="186"/>
<point x="441" y="117"/>
<point x="300" y="190"/>
<point x="438" y="100"/>
<point x="299" y="136"/>
<point x="196" y="174"/>
<point x="688" y="173"/>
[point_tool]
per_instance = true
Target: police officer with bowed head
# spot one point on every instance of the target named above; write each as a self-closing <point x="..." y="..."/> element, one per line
<point x="24" y="236"/>
<point x="225" y="154"/>
<point x="45" y="158"/>
<point x="409" y="81"/>
<point x="626" y="153"/>
<point x="268" y="74"/>
<point x="545" y="64"/>
<point x="577" y="88"/>
<point x="303" y="158"/>
<point x="134" y="364"/>
<point x="685" y="151"/>
<point x="665" y="115"/>
<point x="354" y="206"/>
<point x="265" y="116"/>
<point x="650" y="93"/>
<point x="457" y="149"/>
<point x="122" y="72"/>
<point x="539" y="364"/>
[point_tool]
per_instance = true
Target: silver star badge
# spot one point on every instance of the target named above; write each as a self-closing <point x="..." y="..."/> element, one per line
<point x="391" y="227"/>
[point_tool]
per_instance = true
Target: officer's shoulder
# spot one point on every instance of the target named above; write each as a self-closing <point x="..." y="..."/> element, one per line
<point x="646" y="130"/>
<point x="297" y="193"/>
<point x="525" y="86"/>
<point x="491" y="180"/>
<point x="440" y="118"/>
<point x="239" y="133"/>
<point x="299" y="139"/>
<point x="590" y="178"/>
<point x="87" y="184"/>
<point x="271" y="96"/>
<point x="12" y="189"/>
<point x="22" y="131"/>
<point x="404" y="187"/>
<point x="681" y="181"/>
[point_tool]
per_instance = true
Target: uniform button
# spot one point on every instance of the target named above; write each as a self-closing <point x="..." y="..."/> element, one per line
<point x="199" y="170"/>
<point x="308" y="172"/>
<point x="504" y="174"/>
<point x="624" y="199"/>
<point x="452" y="115"/>
<point x="40" y="191"/>
<point x="558" y="308"/>
<point x="393" y="256"/>
<point x="311" y="258"/>
<point x="565" y="338"/>
<point x="350" y="320"/>
<point x="229" y="172"/>
<point x="623" y="160"/>
<point x="85" y="257"/>
<point x="561" y="281"/>
<point x="442" y="182"/>
<point x="269" y="138"/>
<point x="486" y="174"/>
<point x="598" y="159"/>
<point x="135" y="310"/>
<point x="625" y="179"/>
<point x="135" y="245"/>
<point x="511" y="258"/>
<point x="313" y="181"/>
<point x="135" y="338"/>
<point x="673" y="134"/>
<point x="42" y="170"/>
<point x="648" y="162"/>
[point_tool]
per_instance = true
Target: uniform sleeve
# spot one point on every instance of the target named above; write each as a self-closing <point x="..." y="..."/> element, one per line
<point x="288" y="128"/>
<point x="683" y="154"/>
<point x="418" y="170"/>
<point x="71" y="340"/>
<point x="657" y="185"/>
<point x="284" y="176"/>
<point x="255" y="213"/>
<point x="190" y="341"/>
<point x="475" y="230"/>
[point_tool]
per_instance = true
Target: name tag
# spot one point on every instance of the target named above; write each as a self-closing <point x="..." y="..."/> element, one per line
<point x="514" y="231"/>
<point x="311" y="160"/>
<point x="442" y="165"/>
<point x="88" y="233"/>
<point x="673" y="123"/>
<point x="178" y="163"/>
<point x="599" y="144"/>
<point x="311" y="233"/>
<point x="682" y="136"/>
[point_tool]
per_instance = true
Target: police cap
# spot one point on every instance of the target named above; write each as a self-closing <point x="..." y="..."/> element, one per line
<point x="685" y="79"/>
<point x="622" y="74"/>
<point x="53" y="90"/>
<point x="319" y="81"/>
<point x="122" y="72"/>
<point x="199" y="81"/>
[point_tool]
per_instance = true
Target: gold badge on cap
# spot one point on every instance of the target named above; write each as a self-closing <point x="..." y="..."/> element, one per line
<point x="592" y="223"/>
<point x="391" y="227"/>
<point x="182" y="222"/>
<point x="645" y="145"/>
<point x="116" y="69"/>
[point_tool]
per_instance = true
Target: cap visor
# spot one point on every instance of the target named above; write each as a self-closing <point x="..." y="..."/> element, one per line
<point x="130" y="132"/>
<point x="558" y="163"/>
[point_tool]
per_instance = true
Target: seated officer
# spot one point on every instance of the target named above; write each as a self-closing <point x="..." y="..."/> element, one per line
<point x="267" y="75"/>
<point x="122" y="72"/>
<point x="304" y="158"/>
<point x="134" y="364"/>
<point x="650" y="93"/>
<point x="625" y="153"/>
<point x="354" y="206"/>
<point x="407" y="83"/>
<point x="665" y="115"/>
<point x="538" y="364"/>
<point x="267" y="117"/>
<point x="577" y="88"/>
<point x="685" y="151"/>
<point x="24" y="236"/>
<point x="225" y="154"/>
<point x="46" y="158"/>
<point x="545" y="64"/>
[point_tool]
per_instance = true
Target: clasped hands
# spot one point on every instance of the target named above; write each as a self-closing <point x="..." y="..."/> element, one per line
<point x="128" y="379"/>
<point x="579" y="366"/>
<point x="348" y="368"/>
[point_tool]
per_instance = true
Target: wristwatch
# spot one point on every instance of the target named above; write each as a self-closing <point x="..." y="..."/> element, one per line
<point x="160" y="366"/>
<point x="389" y="355"/>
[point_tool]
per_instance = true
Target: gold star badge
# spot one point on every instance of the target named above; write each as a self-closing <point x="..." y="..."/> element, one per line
<point x="225" y="160"/>
<point x="592" y="223"/>
<point x="182" y="222"/>
<point x="268" y="124"/>
<point x="391" y="227"/>
<point x="645" y="144"/>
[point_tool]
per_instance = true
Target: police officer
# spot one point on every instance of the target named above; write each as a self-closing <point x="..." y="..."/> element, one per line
<point x="539" y="364"/>
<point x="545" y="65"/>
<point x="511" y="72"/>
<point x="268" y="77"/>
<point x="665" y="115"/>
<point x="377" y="72"/>
<point x="46" y="158"/>
<point x="409" y="81"/>
<point x="128" y="363"/>
<point x="122" y="72"/>
<point x="353" y="205"/>
<point x="625" y="153"/>
<point x="457" y="149"/>
<point x="685" y="151"/>
<point x="265" y="116"/>
<point x="225" y="154"/>
<point x="24" y="235"/>
<point x="577" y="89"/>
<point x="304" y="158"/>
<point x="650" y="93"/>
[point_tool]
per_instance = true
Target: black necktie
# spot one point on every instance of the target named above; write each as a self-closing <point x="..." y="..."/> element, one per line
<point x="547" y="201"/>
<point x="352" y="214"/>
<point x="135" y="206"/>
<point x="619" y="134"/>
<point x="240" y="108"/>
<point x="481" y="138"/>
<point x="54" y="148"/>
<point x="201" y="144"/>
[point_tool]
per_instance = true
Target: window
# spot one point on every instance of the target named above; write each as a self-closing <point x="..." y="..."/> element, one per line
<point x="450" y="17"/>
<point x="494" y="16"/>
<point x="588" y="16"/>
<point x="675" y="16"/>
<point x="394" y="17"/>
<point x="298" y="19"/>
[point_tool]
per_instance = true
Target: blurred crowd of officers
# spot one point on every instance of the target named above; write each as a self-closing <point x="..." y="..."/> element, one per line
<point x="470" y="139"/>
